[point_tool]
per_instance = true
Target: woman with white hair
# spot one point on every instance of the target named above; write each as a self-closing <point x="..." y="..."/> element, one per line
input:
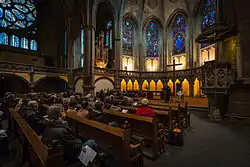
<point x="144" y="110"/>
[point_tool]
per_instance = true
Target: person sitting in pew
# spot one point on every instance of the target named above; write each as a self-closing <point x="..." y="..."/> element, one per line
<point x="33" y="118"/>
<point x="58" y="130"/>
<point x="114" y="106"/>
<point x="144" y="110"/>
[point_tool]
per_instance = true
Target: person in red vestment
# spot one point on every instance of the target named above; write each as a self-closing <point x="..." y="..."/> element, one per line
<point x="144" y="110"/>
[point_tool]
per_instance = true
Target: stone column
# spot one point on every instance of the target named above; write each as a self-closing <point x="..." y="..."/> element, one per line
<point x="70" y="64"/>
<point x="191" y="88"/>
<point x="32" y="84"/>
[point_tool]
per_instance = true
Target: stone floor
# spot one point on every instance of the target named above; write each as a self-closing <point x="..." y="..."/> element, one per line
<point x="208" y="144"/>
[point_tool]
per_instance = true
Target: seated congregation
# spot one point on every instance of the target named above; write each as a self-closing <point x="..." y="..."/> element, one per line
<point x="109" y="129"/>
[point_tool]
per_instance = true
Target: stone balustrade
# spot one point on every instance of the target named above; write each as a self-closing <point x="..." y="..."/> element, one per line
<point x="26" y="68"/>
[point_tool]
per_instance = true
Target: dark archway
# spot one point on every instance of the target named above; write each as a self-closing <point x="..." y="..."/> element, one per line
<point x="51" y="84"/>
<point x="13" y="83"/>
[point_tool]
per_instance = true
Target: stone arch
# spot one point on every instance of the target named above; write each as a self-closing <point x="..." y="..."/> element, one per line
<point x="174" y="14"/>
<point x="95" y="9"/>
<point x="132" y="17"/>
<point x="152" y="18"/>
<point x="104" y="83"/>
<point x="51" y="84"/>
<point x="78" y="84"/>
<point x="13" y="83"/>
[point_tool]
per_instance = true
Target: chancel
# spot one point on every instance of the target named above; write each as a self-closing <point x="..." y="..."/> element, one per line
<point x="130" y="83"/>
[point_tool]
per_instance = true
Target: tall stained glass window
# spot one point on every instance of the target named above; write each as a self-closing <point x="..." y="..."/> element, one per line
<point x="179" y="31"/>
<point x="209" y="14"/>
<point x="14" y="15"/>
<point x="82" y="48"/>
<point x="152" y="40"/>
<point x="14" y="41"/>
<point x="33" y="45"/>
<point x="24" y="43"/>
<point x="3" y="38"/>
<point x="127" y="34"/>
<point x="109" y="37"/>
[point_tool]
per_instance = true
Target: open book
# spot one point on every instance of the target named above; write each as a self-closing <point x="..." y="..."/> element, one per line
<point x="87" y="155"/>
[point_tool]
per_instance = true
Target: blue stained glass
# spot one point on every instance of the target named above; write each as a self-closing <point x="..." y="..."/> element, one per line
<point x="24" y="43"/>
<point x="22" y="8"/>
<point x="15" y="11"/>
<point x="33" y="45"/>
<point x="152" y="38"/>
<point x="14" y="41"/>
<point x="82" y="41"/>
<point x="3" y="38"/>
<point x="127" y="34"/>
<point x="19" y="1"/>
<point x="1" y="12"/>
<point x="9" y="16"/>
<point x="179" y="31"/>
<point x="30" y="17"/>
<point x="209" y="14"/>
<point x="18" y="14"/>
<point x="21" y="24"/>
<point x="107" y="38"/>
<point x="110" y="40"/>
<point x="5" y="3"/>
<point x="4" y="23"/>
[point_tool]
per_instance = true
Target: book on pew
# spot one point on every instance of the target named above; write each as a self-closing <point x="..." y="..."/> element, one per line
<point x="87" y="155"/>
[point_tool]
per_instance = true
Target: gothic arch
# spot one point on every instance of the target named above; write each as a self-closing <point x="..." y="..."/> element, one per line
<point x="132" y="17"/>
<point x="152" y="18"/>
<point x="110" y="81"/>
<point x="95" y="9"/>
<point x="174" y="14"/>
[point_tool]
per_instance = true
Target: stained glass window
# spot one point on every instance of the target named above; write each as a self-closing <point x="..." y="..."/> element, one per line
<point x="209" y="14"/>
<point x="179" y="31"/>
<point x="3" y="38"/>
<point x="24" y="43"/>
<point x="127" y="34"/>
<point x="14" y="41"/>
<point x="16" y="14"/>
<point x="109" y="38"/>
<point x="152" y="39"/>
<point x="33" y="45"/>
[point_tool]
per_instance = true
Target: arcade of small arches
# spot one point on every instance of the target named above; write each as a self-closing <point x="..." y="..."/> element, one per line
<point x="191" y="87"/>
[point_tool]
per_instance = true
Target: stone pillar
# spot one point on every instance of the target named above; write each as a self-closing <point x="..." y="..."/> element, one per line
<point x="32" y="84"/>
<point x="89" y="51"/>
<point x="191" y="88"/>
<point x="117" y="53"/>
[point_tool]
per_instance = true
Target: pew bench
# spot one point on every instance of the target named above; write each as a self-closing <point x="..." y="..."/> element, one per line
<point x="39" y="154"/>
<point x="143" y="129"/>
<point x="115" y="140"/>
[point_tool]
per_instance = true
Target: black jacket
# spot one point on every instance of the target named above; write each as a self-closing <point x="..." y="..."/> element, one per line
<point x="60" y="132"/>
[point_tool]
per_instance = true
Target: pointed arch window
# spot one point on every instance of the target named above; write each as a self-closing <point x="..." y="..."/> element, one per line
<point x="33" y="45"/>
<point x="179" y="35"/>
<point x="3" y="38"/>
<point x="24" y="43"/>
<point x="208" y="19"/>
<point x="209" y="14"/>
<point x="109" y="35"/>
<point x="152" y="40"/>
<point x="14" y="41"/>
<point x="127" y="34"/>
<point x="15" y="15"/>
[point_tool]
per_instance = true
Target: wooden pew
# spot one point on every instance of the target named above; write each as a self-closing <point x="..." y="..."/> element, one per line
<point x="143" y="129"/>
<point x="117" y="141"/>
<point x="168" y="117"/>
<point x="39" y="154"/>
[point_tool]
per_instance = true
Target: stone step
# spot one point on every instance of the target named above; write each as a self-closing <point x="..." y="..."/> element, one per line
<point x="198" y="108"/>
